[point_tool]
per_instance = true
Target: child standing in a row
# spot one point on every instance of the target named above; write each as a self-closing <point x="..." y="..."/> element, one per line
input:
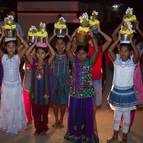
<point x="122" y="98"/>
<point x="12" y="115"/>
<point x="40" y="90"/>
<point x="80" y="120"/>
<point x="60" y="77"/>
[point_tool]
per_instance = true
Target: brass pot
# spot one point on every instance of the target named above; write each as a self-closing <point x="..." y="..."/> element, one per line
<point x="134" y="24"/>
<point x="10" y="33"/>
<point x="61" y="32"/>
<point x="31" y="39"/>
<point x="125" y="39"/>
<point x="82" y="39"/>
<point x="41" y="39"/>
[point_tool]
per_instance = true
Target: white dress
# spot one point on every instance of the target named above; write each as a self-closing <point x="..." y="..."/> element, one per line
<point x="12" y="115"/>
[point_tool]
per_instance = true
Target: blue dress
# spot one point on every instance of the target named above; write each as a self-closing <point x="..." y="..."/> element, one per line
<point x="60" y="78"/>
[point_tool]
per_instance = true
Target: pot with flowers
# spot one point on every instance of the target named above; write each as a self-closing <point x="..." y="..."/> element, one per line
<point x="9" y="26"/>
<point x="94" y="22"/>
<point x="126" y="32"/>
<point x="60" y="27"/>
<point x="83" y="30"/>
<point x="129" y="16"/>
<point x="32" y="33"/>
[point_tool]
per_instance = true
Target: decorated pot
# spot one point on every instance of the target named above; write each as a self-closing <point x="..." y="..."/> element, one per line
<point x="82" y="38"/>
<point x="60" y="32"/>
<point x="10" y="33"/>
<point x="124" y="38"/>
<point x="41" y="39"/>
<point x="31" y="39"/>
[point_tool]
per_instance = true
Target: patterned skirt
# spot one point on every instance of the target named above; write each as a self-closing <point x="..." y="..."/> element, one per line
<point x="80" y="121"/>
<point x="122" y="98"/>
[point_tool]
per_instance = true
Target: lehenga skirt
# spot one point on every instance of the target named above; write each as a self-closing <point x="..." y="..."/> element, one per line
<point x="81" y="121"/>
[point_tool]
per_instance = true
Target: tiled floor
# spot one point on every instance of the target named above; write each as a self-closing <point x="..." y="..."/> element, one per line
<point x="104" y="121"/>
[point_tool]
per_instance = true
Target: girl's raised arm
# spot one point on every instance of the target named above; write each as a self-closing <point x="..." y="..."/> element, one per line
<point x="53" y="36"/>
<point x="52" y="52"/>
<point x="138" y="29"/>
<point x="95" y="55"/>
<point x="29" y="52"/>
<point x="108" y="40"/>
<point x="23" y="46"/>
<point x="135" y="52"/>
<point x="69" y="52"/>
<point x="111" y="50"/>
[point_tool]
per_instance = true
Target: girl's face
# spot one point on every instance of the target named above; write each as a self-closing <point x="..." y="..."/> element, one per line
<point x="82" y="55"/>
<point x="60" y="46"/>
<point x="41" y="54"/>
<point x="124" y="53"/>
<point x="11" y="48"/>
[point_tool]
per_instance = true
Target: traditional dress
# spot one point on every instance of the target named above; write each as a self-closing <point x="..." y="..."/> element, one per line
<point x="40" y="87"/>
<point x="12" y="115"/>
<point x="60" y="78"/>
<point x="80" y="120"/>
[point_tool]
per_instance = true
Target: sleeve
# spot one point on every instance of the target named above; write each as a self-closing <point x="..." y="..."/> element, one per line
<point x="117" y="59"/>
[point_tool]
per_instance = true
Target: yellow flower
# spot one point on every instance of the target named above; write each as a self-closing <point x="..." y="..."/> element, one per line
<point x="42" y="34"/>
<point x="9" y="27"/>
<point x="59" y="25"/>
<point x="95" y="22"/>
<point x="131" y="18"/>
<point x="126" y="32"/>
<point x="83" y="29"/>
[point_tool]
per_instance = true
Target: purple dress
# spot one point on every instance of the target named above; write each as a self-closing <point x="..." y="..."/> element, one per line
<point x="80" y="120"/>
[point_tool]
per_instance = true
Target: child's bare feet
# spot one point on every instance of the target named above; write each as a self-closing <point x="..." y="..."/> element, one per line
<point x="61" y="125"/>
<point x="55" y="125"/>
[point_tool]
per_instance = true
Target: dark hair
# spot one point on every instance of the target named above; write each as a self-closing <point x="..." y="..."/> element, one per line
<point x="40" y="48"/>
<point x="53" y="43"/>
<point x="84" y="48"/>
<point x="126" y="45"/>
<point x="5" y="44"/>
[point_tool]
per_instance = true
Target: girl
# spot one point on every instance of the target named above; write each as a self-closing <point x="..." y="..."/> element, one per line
<point x="60" y="86"/>
<point x="97" y="67"/>
<point x="40" y="90"/>
<point x="122" y="98"/>
<point x="12" y="117"/>
<point x="26" y="88"/>
<point x="80" y="120"/>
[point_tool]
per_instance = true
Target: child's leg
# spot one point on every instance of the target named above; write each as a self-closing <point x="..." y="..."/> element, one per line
<point x="97" y="84"/>
<point x="117" y="120"/>
<point x="36" y="110"/>
<point x="27" y="105"/>
<point x="127" y="121"/>
<point x="62" y="111"/>
<point x="56" y="114"/>
<point x="45" y="109"/>
<point x="94" y="120"/>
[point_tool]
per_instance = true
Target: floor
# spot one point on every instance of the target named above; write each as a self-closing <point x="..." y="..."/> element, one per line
<point x="104" y="122"/>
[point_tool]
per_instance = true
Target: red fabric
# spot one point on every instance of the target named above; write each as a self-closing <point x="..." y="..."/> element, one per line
<point x="40" y="115"/>
<point x="27" y="106"/>
<point x="108" y="60"/>
<point x="97" y="67"/>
